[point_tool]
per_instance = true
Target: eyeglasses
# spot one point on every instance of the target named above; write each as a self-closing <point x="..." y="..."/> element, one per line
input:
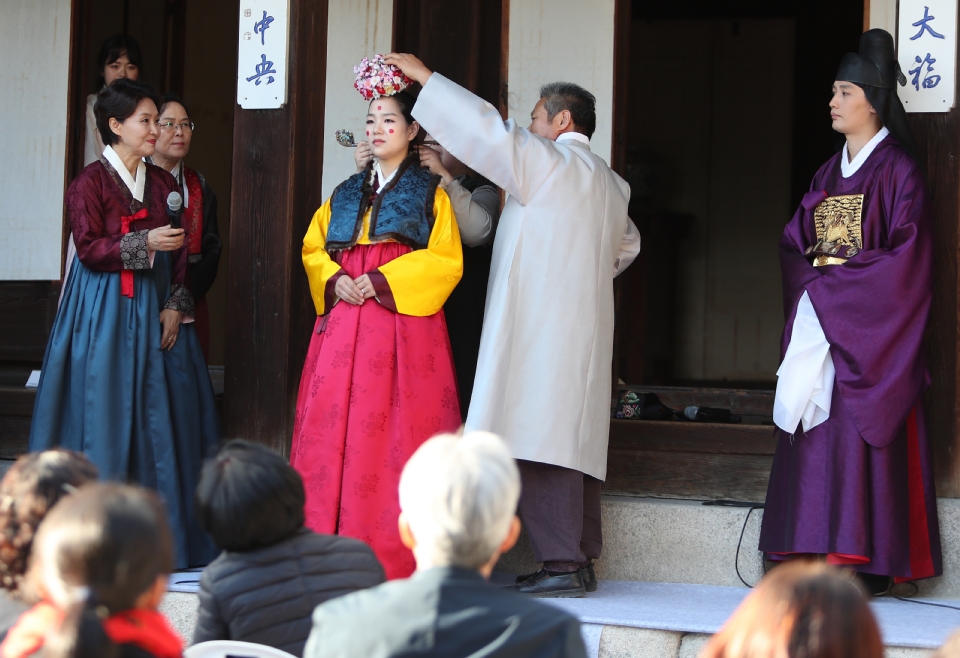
<point x="172" y="125"/>
<point x="430" y="142"/>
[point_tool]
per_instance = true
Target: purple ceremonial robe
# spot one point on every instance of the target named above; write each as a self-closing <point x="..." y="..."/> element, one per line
<point x="859" y="487"/>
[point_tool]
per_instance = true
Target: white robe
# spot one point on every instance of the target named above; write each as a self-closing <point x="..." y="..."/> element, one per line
<point x="544" y="370"/>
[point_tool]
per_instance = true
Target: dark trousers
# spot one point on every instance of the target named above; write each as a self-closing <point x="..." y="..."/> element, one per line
<point x="560" y="508"/>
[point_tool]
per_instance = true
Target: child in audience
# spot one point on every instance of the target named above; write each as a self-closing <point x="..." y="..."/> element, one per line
<point x="31" y="487"/>
<point x="273" y="571"/>
<point x="100" y="561"/>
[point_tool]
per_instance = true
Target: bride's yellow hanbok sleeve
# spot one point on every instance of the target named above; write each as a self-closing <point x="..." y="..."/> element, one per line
<point x="418" y="283"/>
<point x="322" y="271"/>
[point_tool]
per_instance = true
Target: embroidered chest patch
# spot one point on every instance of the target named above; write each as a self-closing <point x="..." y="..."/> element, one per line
<point x="837" y="222"/>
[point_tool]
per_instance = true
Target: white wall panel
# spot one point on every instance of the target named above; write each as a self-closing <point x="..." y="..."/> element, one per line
<point x="562" y="40"/>
<point x="356" y="29"/>
<point x="35" y="51"/>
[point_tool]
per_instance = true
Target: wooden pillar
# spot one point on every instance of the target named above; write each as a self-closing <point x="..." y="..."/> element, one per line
<point x="938" y="136"/>
<point x="277" y="167"/>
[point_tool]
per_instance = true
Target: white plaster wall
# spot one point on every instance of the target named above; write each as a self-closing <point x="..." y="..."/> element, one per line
<point x="568" y="40"/>
<point x="33" y="113"/>
<point x="883" y="14"/>
<point x="356" y="29"/>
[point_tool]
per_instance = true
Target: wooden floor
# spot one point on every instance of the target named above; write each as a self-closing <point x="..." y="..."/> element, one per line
<point x="673" y="459"/>
<point x="695" y="460"/>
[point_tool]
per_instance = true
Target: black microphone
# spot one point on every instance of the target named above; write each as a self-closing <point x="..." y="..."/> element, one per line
<point x="174" y="208"/>
<point x="710" y="415"/>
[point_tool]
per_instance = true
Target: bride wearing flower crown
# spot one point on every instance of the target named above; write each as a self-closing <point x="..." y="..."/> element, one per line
<point x="382" y="255"/>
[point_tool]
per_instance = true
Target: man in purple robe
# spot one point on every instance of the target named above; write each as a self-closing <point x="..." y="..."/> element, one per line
<point x="852" y="478"/>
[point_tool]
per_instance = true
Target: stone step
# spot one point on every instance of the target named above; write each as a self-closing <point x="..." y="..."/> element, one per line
<point x="628" y="619"/>
<point x="684" y="541"/>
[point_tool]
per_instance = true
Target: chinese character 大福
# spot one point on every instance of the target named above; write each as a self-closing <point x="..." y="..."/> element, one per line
<point x="929" y="81"/>
<point x="924" y="25"/>
<point x="260" y="27"/>
<point x="264" y="68"/>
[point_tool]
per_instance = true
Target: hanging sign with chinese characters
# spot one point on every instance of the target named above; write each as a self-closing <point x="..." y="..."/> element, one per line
<point x="262" y="54"/>
<point x="927" y="50"/>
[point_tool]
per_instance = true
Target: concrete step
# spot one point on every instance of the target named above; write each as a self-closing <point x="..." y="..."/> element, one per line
<point x="627" y="619"/>
<point x="684" y="541"/>
<point x="665" y="560"/>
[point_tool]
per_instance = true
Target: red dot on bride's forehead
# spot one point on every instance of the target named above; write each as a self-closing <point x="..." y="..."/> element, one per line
<point x="379" y="108"/>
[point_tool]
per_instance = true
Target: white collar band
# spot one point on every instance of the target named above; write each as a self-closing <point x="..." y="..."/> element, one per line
<point x="135" y="186"/>
<point x="381" y="178"/>
<point x="847" y="168"/>
<point x="578" y="137"/>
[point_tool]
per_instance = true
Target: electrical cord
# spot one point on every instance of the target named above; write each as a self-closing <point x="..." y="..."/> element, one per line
<point x="736" y="560"/>
<point x="916" y="589"/>
<point x="752" y="507"/>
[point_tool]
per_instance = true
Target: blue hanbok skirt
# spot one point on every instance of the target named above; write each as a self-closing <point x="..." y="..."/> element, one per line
<point x="142" y="415"/>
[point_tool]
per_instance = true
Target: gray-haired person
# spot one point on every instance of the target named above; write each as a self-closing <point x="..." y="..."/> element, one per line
<point x="457" y="502"/>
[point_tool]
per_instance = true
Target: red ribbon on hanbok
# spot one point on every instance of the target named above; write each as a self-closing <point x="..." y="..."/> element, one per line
<point x="126" y="276"/>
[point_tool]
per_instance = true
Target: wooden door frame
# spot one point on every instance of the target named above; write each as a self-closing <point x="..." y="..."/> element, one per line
<point x="276" y="187"/>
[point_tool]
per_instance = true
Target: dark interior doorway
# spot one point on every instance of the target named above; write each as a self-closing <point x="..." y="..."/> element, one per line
<point x="724" y="122"/>
<point x="465" y="40"/>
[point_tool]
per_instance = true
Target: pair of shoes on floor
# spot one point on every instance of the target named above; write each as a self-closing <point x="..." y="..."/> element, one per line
<point x="548" y="584"/>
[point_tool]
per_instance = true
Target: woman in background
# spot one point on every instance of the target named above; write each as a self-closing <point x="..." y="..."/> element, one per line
<point x="199" y="217"/>
<point x="119" y="58"/>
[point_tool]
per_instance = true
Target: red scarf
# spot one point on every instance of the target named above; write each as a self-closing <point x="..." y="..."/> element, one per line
<point x="147" y="629"/>
<point x="126" y="276"/>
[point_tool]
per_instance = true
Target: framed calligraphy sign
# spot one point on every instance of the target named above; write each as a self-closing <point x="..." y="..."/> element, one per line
<point x="262" y="54"/>
<point x="927" y="51"/>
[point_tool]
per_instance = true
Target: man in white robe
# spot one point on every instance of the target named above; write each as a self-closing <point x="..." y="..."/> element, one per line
<point x="543" y="375"/>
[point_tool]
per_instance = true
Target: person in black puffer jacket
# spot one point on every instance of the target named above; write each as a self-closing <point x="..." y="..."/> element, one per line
<point x="273" y="571"/>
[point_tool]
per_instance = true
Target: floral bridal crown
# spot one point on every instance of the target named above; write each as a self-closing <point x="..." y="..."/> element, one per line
<point x="375" y="78"/>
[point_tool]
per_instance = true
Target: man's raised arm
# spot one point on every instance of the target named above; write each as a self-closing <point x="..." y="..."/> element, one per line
<point x="475" y="133"/>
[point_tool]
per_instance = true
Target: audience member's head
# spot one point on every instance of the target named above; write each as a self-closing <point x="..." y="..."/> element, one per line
<point x="458" y="501"/>
<point x="249" y="497"/>
<point x="103" y="550"/>
<point x="800" y="610"/>
<point x="27" y="492"/>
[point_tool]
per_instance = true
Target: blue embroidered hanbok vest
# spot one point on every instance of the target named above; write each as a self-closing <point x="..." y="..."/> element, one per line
<point x="402" y="211"/>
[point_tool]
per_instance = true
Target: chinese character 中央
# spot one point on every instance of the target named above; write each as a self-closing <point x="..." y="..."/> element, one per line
<point x="924" y="25"/>
<point x="260" y="27"/>
<point x="264" y="68"/>
<point x="929" y="81"/>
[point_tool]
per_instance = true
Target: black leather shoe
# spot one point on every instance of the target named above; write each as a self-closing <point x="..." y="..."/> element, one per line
<point x="543" y="585"/>
<point x="874" y="584"/>
<point x="589" y="578"/>
<point x="587" y="573"/>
